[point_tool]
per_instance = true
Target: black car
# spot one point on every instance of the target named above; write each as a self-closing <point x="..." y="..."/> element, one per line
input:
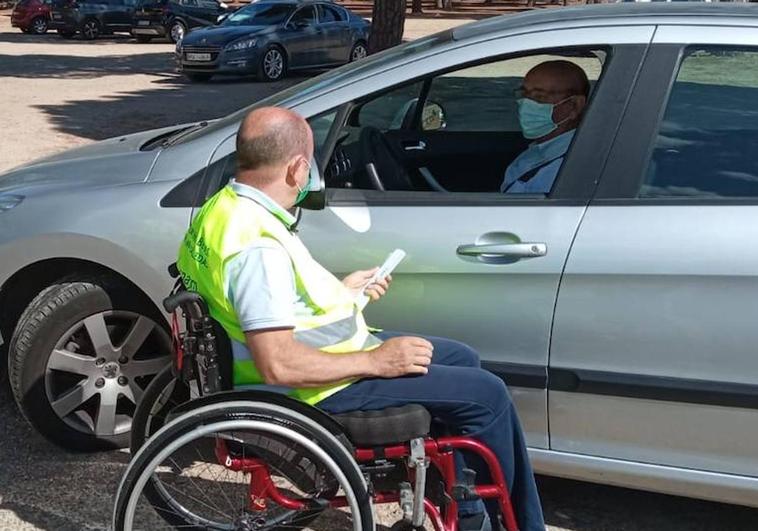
<point x="91" y="18"/>
<point x="174" y="18"/>
<point x="271" y="37"/>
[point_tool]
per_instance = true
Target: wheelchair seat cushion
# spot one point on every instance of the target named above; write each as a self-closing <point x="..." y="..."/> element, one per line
<point x="386" y="426"/>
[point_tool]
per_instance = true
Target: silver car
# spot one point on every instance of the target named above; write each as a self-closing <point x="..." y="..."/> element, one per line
<point x="620" y="307"/>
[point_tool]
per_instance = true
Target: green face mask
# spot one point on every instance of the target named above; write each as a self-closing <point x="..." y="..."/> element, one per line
<point x="313" y="184"/>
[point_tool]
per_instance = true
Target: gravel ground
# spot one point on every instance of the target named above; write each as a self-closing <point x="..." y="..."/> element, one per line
<point x="58" y="94"/>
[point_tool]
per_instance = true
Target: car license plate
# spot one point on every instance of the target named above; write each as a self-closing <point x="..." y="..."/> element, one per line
<point x="143" y="22"/>
<point x="198" y="57"/>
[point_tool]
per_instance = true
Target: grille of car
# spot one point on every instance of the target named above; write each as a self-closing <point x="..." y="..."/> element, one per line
<point x="213" y="50"/>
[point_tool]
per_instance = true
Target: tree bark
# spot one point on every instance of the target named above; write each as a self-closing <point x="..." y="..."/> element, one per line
<point x="416" y="7"/>
<point x="387" y="24"/>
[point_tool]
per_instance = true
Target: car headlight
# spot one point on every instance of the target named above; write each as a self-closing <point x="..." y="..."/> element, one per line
<point x="8" y="201"/>
<point x="242" y="45"/>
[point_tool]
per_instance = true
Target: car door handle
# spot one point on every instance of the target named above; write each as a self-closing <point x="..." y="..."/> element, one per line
<point x="421" y="146"/>
<point x="514" y="250"/>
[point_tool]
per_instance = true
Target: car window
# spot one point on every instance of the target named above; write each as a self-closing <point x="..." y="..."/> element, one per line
<point x="266" y="14"/>
<point x="706" y="143"/>
<point x="305" y="15"/>
<point x="328" y="14"/>
<point x="467" y="137"/>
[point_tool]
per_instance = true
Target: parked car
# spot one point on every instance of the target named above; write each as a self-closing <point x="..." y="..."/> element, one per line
<point x="173" y="18"/>
<point x="31" y="16"/>
<point x="91" y="18"/>
<point x="625" y="330"/>
<point x="270" y="38"/>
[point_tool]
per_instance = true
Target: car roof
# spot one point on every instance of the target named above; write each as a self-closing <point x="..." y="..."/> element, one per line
<point x="619" y="13"/>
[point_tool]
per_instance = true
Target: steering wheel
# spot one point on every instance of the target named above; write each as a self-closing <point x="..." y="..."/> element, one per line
<point x="390" y="171"/>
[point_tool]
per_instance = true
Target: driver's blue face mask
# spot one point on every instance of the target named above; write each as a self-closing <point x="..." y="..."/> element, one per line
<point x="536" y="119"/>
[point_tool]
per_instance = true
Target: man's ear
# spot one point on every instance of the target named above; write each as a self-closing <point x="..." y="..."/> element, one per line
<point x="291" y="176"/>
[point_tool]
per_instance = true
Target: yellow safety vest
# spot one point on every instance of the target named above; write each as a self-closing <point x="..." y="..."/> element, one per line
<point x="226" y="225"/>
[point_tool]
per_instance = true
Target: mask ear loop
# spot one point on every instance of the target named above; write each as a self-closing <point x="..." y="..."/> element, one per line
<point x="564" y="100"/>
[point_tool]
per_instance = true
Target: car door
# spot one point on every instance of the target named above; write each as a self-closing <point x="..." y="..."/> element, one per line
<point x="302" y="38"/>
<point x="654" y="356"/>
<point x="450" y="284"/>
<point x="336" y="34"/>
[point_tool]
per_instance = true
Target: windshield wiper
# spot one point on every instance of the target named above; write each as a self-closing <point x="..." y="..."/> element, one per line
<point x="181" y="133"/>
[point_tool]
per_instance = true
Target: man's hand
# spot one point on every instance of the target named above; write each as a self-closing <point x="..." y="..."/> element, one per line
<point x="355" y="282"/>
<point x="399" y="356"/>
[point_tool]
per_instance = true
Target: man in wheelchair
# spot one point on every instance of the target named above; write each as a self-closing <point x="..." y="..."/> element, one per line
<point x="296" y="329"/>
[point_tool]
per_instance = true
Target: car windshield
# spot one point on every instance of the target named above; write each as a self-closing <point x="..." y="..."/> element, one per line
<point x="259" y="15"/>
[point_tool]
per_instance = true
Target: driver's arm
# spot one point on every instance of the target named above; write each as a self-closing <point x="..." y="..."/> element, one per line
<point x="282" y="360"/>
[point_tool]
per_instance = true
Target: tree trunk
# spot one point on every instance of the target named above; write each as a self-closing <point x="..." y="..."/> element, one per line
<point x="387" y="24"/>
<point x="416" y="7"/>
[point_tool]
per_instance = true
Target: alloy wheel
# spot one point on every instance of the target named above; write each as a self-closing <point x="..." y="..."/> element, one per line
<point x="39" y="26"/>
<point x="273" y="64"/>
<point x="177" y="32"/>
<point x="359" y="52"/>
<point x="99" y="368"/>
<point x="90" y="30"/>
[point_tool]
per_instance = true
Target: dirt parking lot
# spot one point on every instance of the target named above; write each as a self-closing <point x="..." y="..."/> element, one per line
<point x="58" y="94"/>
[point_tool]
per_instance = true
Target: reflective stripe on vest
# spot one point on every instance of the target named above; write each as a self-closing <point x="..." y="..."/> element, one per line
<point x="226" y="225"/>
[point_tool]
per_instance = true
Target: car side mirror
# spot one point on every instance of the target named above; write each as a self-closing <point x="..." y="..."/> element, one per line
<point x="433" y="117"/>
<point x="222" y="18"/>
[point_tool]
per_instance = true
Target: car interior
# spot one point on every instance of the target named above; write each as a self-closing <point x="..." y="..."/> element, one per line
<point x="452" y="132"/>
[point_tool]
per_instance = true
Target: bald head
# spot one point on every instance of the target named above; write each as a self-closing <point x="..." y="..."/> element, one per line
<point x="270" y="137"/>
<point x="558" y="77"/>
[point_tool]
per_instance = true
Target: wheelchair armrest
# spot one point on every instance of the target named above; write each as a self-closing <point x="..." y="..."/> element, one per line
<point x="191" y="302"/>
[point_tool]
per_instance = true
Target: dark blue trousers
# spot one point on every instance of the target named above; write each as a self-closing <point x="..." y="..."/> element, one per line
<point x="468" y="399"/>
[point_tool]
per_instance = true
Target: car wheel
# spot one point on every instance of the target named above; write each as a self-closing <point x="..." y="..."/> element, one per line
<point x="39" y="26"/>
<point x="90" y="29"/>
<point x="66" y="34"/>
<point x="177" y="31"/>
<point x="144" y="39"/>
<point x="273" y="64"/>
<point x="79" y="360"/>
<point x="359" y="51"/>
<point x="198" y="77"/>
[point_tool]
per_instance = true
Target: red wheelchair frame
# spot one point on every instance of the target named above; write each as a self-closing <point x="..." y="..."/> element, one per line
<point x="439" y="452"/>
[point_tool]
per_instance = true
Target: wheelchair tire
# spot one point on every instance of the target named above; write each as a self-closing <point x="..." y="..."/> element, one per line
<point x="235" y="416"/>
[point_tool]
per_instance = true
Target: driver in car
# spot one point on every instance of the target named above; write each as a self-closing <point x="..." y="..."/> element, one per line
<point x="296" y="329"/>
<point x="551" y="102"/>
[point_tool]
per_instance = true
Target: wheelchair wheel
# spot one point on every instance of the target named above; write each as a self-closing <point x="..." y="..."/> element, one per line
<point x="179" y="478"/>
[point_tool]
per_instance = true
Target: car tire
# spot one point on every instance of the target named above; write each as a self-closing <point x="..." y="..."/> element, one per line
<point x="80" y="358"/>
<point x="143" y="39"/>
<point x="198" y="77"/>
<point x="273" y="65"/>
<point x="66" y="34"/>
<point x="39" y="26"/>
<point x="358" y="51"/>
<point x="176" y="31"/>
<point x="90" y="29"/>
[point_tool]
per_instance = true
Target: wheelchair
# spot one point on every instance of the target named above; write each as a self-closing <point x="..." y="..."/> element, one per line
<point x="206" y="456"/>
